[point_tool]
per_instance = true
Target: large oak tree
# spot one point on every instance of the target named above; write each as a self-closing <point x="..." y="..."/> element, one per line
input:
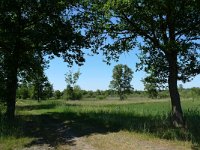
<point x="30" y="26"/>
<point x="166" y="31"/>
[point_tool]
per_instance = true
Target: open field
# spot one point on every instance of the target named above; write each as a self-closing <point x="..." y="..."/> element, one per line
<point x="106" y="124"/>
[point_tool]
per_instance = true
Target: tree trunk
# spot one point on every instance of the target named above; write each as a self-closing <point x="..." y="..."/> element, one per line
<point x="11" y="93"/>
<point x="12" y="62"/>
<point x="38" y="91"/>
<point x="177" y="114"/>
<point x="11" y="83"/>
<point x="120" y="94"/>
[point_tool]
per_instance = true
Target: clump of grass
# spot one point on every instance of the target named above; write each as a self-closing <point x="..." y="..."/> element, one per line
<point x="10" y="129"/>
<point x="7" y="128"/>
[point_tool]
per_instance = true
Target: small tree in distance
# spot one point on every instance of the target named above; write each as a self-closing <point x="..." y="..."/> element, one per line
<point x="72" y="92"/>
<point x="57" y="94"/>
<point x="122" y="76"/>
<point x="72" y="78"/>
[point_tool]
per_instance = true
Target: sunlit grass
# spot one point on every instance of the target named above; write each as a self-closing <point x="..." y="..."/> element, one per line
<point x="145" y="116"/>
<point x="11" y="142"/>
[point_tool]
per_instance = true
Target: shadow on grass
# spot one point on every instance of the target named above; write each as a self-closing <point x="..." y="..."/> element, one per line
<point x="36" y="107"/>
<point x="57" y="129"/>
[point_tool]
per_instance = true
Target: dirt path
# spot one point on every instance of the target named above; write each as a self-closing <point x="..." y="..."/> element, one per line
<point x="114" y="141"/>
<point x="52" y="133"/>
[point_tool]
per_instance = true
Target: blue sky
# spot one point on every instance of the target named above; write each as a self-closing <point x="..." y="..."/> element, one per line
<point x="96" y="74"/>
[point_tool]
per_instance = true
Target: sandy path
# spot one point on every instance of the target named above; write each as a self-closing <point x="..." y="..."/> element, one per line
<point x="115" y="141"/>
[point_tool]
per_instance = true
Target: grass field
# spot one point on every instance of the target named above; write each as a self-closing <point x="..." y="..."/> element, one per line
<point x="56" y="123"/>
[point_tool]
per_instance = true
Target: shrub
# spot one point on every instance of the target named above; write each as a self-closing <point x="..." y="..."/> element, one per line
<point x="72" y="93"/>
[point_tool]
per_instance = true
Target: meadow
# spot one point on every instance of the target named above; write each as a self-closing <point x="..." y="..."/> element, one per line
<point x="57" y="122"/>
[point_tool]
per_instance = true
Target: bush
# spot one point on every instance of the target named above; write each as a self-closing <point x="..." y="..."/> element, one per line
<point x="195" y="93"/>
<point x="101" y="97"/>
<point x="89" y="94"/>
<point x="163" y="94"/>
<point x="72" y="93"/>
<point x="57" y="94"/>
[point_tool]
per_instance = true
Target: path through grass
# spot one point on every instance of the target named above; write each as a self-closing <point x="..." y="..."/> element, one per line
<point x="58" y="123"/>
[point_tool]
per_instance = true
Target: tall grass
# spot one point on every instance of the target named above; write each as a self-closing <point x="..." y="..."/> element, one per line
<point x="8" y="129"/>
<point x="87" y="117"/>
<point x="151" y="118"/>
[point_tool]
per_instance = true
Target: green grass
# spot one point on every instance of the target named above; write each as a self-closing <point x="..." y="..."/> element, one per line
<point x="46" y="119"/>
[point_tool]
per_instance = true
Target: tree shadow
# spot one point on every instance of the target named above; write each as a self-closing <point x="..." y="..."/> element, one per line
<point x="43" y="106"/>
<point x="193" y="123"/>
<point x="36" y="107"/>
<point x="63" y="128"/>
<point x="59" y="128"/>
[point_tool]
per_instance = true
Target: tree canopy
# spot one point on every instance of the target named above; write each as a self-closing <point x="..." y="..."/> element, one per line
<point x="73" y="91"/>
<point x="28" y="27"/>
<point x="166" y="32"/>
<point x="122" y="76"/>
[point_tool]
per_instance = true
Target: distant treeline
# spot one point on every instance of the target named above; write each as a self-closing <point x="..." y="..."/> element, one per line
<point x="28" y="92"/>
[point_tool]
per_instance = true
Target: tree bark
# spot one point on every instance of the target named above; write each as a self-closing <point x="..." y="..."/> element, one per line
<point x="11" y="93"/>
<point x="12" y="62"/>
<point x="177" y="113"/>
<point x="11" y="84"/>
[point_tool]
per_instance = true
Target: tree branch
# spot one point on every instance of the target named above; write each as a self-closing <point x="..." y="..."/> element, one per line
<point x="141" y="31"/>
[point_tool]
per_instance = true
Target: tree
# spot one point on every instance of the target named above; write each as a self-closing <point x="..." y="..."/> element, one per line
<point x="195" y="92"/>
<point x="72" y="92"/>
<point x="40" y="84"/>
<point x="2" y="79"/>
<point x="122" y="76"/>
<point x="166" y="32"/>
<point x="72" y="78"/>
<point x="28" y="27"/>
<point x="153" y="83"/>
<point x="42" y="88"/>
<point x="151" y="87"/>
<point x="180" y="87"/>
<point x="23" y="91"/>
<point x="47" y="91"/>
<point x="35" y="84"/>
<point x="57" y="94"/>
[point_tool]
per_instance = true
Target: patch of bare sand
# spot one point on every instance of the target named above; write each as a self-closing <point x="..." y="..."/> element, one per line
<point x="115" y="141"/>
<point x="124" y="141"/>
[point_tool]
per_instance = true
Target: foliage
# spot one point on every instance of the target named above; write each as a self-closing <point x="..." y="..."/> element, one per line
<point x="151" y="90"/>
<point x="2" y="78"/>
<point x="31" y="27"/>
<point x="42" y="89"/>
<point x="23" y="91"/>
<point x="151" y="86"/>
<point x="88" y="94"/>
<point x="57" y="94"/>
<point x="166" y="32"/>
<point x="180" y="87"/>
<point x="74" y="93"/>
<point x="72" y="78"/>
<point x="195" y="92"/>
<point x="39" y="89"/>
<point x="123" y="21"/>
<point x="122" y="76"/>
